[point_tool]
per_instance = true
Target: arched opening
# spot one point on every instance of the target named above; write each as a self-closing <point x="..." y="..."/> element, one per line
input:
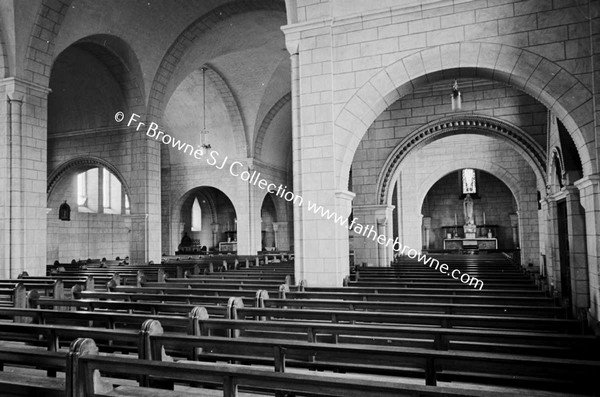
<point x="99" y="225"/>
<point x="208" y="218"/>
<point x="494" y="213"/>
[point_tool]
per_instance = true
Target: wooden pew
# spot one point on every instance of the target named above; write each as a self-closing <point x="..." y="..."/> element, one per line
<point x="419" y="319"/>
<point x="84" y="379"/>
<point x="488" y="368"/>
<point x="20" y="384"/>
<point x="497" y="341"/>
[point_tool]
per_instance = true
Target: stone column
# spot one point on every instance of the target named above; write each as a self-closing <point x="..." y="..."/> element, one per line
<point x="514" y="227"/>
<point x="589" y="193"/>
<point x="376" y="220"/>
<point x="426" y="229"/>
<point x="23" y="172"/>
<point x="145" y="187"/>
<point x="281" y="235"/>
<point x="577" y="251"/>
<point x="552" y="253"/>
<point x="215" y="232"/>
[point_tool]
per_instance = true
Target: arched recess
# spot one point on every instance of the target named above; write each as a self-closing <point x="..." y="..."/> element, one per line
<point x="221" y="211"/>
<point x="114" y="54"/>
<point x="494" y="198"/>
<point x="542" y="79"/>
<point x="103" y="229"/>
<point x="84" y="162"/>
<point x="530" y="150"/>
<point x="190" y="35"/>
<point x="499" y="172"/>
<point x="264" y="126"/>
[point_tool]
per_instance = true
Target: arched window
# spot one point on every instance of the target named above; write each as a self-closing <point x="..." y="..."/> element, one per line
<point x="469" y="185"/>
<point x="87" y="191"/>
<point x="196" y="216"/>
<point x="99" y="190"/>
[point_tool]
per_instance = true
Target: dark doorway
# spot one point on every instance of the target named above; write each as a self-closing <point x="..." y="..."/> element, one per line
<point x="563" y="248"/>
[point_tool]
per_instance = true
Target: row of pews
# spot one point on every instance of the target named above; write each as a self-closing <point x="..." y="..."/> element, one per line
<point x="251" y="328"/>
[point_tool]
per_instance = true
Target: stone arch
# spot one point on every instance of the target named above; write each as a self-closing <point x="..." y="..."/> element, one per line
<point x="183" y="194"/>
<point x="241" y="140"/>
<point x="499" y="172"/>
<point x="118" y="56"/>
<point x="530" y="150"/>
<point x="545" y="81"/>
<point x="193" y="33"/>
<point x="260" y="134"/>
<point x="84" y="161"/>
<point x="40" y="50"/>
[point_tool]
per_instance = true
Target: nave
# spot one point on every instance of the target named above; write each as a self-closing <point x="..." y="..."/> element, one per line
<point x="229" y="325"/>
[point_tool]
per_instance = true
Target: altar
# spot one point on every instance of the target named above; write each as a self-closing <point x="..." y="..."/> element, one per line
<point x="480" y="243"/>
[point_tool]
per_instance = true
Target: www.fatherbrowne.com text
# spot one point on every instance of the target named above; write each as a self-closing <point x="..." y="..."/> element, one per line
<point x="237" y="169"/>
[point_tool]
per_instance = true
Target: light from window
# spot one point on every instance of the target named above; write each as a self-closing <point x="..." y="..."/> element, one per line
<point x="111" y="193"/>
<point x="468" y="181"/>
<point x="87" y="191"/>
<point x="81" y="189"/>
<point x="127" y="205"/>
<point x="196" y="216"/>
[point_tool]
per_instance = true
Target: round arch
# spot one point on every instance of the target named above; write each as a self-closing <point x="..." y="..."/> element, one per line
<point x="499" y="172"/>
<point x="530" y="150"/>
<point x="84" y="162"/>
<point x="553" y="86"/>
<point x="184" y="194"/>
<point x="262" y="131"/>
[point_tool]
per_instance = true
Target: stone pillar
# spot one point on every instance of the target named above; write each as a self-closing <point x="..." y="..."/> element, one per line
<point x="139" y="239"/>
<point x="215" y="232"/>
<point x="552" y="253"/>
<point x="426" y="229"/>
<point x="376" y="220"/>
<point x="514" y="227"/>
<point x="577" y="251"/>
<point x="281" y="235"/>
<point x="23" y="172"/>
<point x="589" y="193"/>
<point x="145" y="188"/>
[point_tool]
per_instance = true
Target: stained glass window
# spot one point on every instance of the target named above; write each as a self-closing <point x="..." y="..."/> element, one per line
<point x="469" y="185"/>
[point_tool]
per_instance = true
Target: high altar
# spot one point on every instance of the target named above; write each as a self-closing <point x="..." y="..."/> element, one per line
<point x="471" y="240"/>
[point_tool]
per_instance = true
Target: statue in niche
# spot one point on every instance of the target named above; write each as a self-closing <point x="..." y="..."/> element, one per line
<point x="64" y="212"/>
<point x="469" y="228"/>
<point x="468" y="209"/>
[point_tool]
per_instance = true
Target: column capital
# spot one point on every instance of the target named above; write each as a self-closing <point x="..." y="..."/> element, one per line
<point x="12" y="83"/>
<point x="345" y="195"/>
<point x="587" y="181"/>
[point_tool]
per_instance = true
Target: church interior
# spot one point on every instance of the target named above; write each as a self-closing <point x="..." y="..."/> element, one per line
<point x="299" y="197"/>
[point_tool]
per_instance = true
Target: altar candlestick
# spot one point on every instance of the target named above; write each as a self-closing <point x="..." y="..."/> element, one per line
<point x="484" y="217"/>
<point x="455" y="220"/>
